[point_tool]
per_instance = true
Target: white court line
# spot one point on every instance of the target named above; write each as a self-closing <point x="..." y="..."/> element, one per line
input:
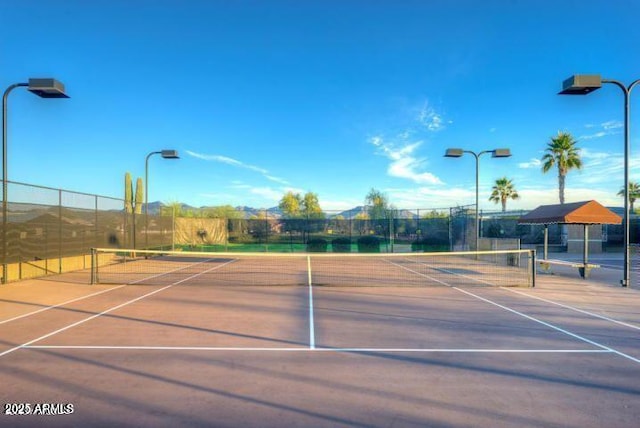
<point x="567" y="332"/>
<point x="60" y="304"/>
<point x="175" y="270"/>
<point x="440" y="270"/>
<point x="574" y="309"/>
<point x="92" y="295"/>
<point x="312" y="330"/>
<point x="306" y="349"/>
<point x="419" y="273"/>
<point x="75" y="324"/>
<point x="459" y="274"/>
<point x="561" y="330"/>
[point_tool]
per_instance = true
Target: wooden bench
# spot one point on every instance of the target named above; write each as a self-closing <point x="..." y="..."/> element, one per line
<point x="584" y="270"/>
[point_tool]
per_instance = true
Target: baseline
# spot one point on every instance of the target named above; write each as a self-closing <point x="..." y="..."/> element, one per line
<point x="322" y="349"/>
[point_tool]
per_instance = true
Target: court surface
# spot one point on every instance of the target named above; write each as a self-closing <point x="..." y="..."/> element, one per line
<point x="563" y="354"/>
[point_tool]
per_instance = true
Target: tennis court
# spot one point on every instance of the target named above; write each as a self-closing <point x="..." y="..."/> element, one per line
<point x="306" y="341"/>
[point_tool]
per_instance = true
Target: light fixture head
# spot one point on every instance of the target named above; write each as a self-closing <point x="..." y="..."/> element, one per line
<point x="581" y="84"/>
<point x="453" y="153"/>
<point x="47" y="88"/>
<point x="501" y="153"/>
<point x="170" y="154"/>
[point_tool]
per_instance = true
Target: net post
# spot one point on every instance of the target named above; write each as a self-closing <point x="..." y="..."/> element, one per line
<point x="94" y="267"/>
<point x="533" y="267"/>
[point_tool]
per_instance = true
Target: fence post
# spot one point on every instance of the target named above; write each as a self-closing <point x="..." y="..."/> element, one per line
<point x="266" y="231"/>
<point x="96" y="228"/>
<point x="60" y="231"/>
<point x="173" y="228"/>
<point x="45" y="228"/>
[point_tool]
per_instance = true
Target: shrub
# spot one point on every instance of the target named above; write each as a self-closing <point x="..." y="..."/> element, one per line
<point x="368" y="244"/>
<point x="317" y="245"/>
<point x="341" y="245"/>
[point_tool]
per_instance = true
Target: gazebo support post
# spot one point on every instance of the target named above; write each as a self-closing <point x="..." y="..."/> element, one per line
<point x="546" y="242"/>
<point x="584" y="270"/>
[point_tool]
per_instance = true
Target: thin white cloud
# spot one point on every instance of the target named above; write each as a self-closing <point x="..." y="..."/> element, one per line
<point x="531" y="198"/>
<point x="612" y="124"/>
<point x="404" y="163"/>
<point x="605" y="168"/>
<point x="272" y="194"/>
<point x="586" y="153"/>
<point x="599" y="134"/>
<point x="238" y="164"/>
<point x="430" y="198"/>
<point x="227" y="160"/>
<point x="276" y="179"/>
<point x="239" y="185"/>
<point x="267" y="193"/>
<point x="532" y="163"/>
<point x="430" y="119"/>
<point x="610" y="127"/>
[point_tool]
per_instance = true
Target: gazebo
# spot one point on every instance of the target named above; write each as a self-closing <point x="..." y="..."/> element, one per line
<point x="583" y="213"/>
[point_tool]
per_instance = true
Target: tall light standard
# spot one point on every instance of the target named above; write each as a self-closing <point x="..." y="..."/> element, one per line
<point x="495" y="153"/>
<point x="582" y="84"/>
<point x="167" y="154"/>
<point x="45" y="88"/>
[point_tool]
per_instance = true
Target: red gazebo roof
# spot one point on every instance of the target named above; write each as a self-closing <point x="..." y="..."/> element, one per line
<point x="588" y="212"/>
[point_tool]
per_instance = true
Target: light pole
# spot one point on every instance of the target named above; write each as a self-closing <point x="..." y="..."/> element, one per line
<point x="45" y="88"/>
<point x="582" y="84"/>
<point x="495" y="153"/>
<point x="167" y="154"/>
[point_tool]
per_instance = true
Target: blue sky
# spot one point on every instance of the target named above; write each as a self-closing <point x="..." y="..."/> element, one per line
<point x="333" y="97"/>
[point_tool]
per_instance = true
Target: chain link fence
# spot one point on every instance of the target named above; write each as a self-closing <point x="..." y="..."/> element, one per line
<point x="50" y="231"/>
<point x="399" y="230"/>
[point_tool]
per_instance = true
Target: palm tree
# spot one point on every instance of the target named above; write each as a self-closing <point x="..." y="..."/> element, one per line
<point x="502" y="191"/>
<point x="562" y="153"/>
<point x="634" y="193"/>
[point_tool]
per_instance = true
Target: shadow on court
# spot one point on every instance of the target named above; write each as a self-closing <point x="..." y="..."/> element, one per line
<point x="563" y="354"/>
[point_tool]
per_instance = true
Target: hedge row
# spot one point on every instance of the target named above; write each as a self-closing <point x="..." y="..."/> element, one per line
<point x="366" y="244"/>
<point x="370" y="244"/>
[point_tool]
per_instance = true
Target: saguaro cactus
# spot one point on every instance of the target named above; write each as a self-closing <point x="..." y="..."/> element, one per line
<point x="128" y="194"/>
<point x="139" y="196"/>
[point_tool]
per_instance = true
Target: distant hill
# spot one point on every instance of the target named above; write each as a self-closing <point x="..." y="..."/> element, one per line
<point x="155" y="207"/>
<point x="28" y="211"/>
<point x="274" y="212"/>
<point x="352" y="213"/>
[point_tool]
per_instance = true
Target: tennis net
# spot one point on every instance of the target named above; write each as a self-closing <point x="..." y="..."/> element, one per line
<point x="508" y="268"/>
